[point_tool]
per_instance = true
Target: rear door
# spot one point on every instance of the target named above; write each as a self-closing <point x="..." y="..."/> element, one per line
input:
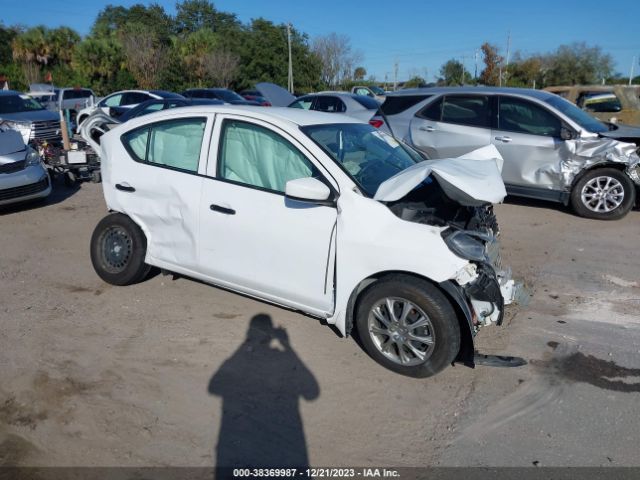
<point x="159" y="185"/>
<point x="452" y="125"/>
<point x="528" y="138"/>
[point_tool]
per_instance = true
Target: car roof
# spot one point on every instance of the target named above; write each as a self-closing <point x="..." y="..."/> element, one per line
<point x="333" y="93"/>
<point x="8" y="93"/>
<point x="295" y="116"/>
<point x="527" y="92"/>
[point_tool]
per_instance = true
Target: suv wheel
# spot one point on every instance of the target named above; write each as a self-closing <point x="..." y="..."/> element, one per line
<point x="408" y="326"/>
<point x="603" y="194"/>
<point x="118" y="248"/>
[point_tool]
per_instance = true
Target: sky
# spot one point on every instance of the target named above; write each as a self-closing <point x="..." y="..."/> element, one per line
<point x="420" y="35"/>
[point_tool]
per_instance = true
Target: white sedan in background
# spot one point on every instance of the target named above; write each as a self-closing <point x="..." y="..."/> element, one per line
<point x="315" y="212"/>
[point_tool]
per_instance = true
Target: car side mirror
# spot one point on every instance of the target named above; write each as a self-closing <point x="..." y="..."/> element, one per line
<point x="567" y="133"/>
<point x="308" y="189"/>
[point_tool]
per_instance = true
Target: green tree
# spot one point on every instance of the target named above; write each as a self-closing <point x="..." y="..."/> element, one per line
<point x="415" y="82"/>
<point x="577" y="64"/>
<point x="359" y="73"/>
<point x="262" y="48"/>
<point x="32" y="51"/>
<point x="194" y="15"/>
<point x="7" y="34"/>
<point x="101" y="62"/>
<point x="454" y="73"/>
<point x="194" y="50"/>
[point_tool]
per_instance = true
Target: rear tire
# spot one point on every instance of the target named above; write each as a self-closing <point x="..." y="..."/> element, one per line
<point x="118" y="249"/>
<point x="420" y="345"/>
<point x="603" y="194"/>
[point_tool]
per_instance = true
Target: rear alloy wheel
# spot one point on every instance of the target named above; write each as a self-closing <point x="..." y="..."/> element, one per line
<point x="603" y="194"/>
<point x="408" y="326"/>
<point x="118" y="248"/>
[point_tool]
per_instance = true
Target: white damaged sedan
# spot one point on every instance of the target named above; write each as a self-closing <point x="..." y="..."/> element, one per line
<point x="314" y="212"/>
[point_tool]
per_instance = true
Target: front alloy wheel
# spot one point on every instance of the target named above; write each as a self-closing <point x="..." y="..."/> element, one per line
<point x="401" y="331"/>
<point x="407" y="325"/>
<point x="603" y="194"/>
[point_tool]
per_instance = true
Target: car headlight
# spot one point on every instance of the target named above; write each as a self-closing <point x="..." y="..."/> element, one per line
<point x="33" y="158"/>
<point x="23" y="127"/>
<point x="468" y="245"/>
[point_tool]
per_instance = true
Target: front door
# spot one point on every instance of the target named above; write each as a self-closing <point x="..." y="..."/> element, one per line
<point x="528" y="138"/>
<point x="253" y="238"/>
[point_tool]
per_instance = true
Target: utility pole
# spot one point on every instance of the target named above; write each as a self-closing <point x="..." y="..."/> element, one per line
<point x="290" y="81"/>
<point x="506" y="78"/>
<point x="463" y="59"/>
<point x="475" y="74"/>
<point x="395" y="76"/>
<point x="633" y="64"/>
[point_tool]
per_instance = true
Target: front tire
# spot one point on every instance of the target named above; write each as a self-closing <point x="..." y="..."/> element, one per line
<point x="408" y="326"/>
<point x="118" y="248"/>
<point x="603" y="194"/>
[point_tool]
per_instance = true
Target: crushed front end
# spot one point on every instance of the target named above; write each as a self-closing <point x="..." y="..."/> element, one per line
<point x="472" y="233"/>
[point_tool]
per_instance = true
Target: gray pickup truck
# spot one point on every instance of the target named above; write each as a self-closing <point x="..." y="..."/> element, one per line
<point x="55" y="99"/>
<point x="26" y="115"/>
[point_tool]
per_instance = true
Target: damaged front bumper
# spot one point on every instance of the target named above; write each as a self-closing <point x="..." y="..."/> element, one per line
<point x="585" y="153"/>
<point x="485" y="286"/>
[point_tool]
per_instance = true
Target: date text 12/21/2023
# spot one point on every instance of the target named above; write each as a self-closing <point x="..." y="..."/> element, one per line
<point x="315" y="473"/>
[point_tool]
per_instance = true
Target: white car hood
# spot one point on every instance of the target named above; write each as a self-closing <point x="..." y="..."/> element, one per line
<point x="472" y="179"/>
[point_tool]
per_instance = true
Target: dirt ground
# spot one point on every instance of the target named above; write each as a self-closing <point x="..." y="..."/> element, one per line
<point x="168" y="372"/>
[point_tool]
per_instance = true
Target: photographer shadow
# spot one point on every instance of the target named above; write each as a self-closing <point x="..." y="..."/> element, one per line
<point x="260" y="385"/>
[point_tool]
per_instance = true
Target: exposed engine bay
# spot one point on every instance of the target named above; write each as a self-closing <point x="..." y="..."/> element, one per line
<point x="471" y="232"/>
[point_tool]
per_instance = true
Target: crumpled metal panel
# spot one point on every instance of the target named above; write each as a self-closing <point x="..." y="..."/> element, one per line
<point x="472" y="179"/>
<point x="586" y="152"/>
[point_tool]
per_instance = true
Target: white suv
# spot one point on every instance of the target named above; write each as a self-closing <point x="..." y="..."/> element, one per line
<point x="316" y="212"/>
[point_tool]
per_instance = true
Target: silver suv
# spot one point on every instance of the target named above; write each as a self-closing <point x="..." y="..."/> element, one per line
<point x="552" y="150"/>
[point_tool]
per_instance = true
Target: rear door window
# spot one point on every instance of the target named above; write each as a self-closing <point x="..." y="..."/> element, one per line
<point x="174" y="144"/>
<point x="522" y="116"/>
<point x="472" y="110"/>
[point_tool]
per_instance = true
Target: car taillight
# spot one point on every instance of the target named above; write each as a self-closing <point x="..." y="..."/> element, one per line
<point x="266" y="104"/>
<point x="376" y="123"/>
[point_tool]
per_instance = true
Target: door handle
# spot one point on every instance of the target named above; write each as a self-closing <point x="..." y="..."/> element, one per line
<point x="428" y="128"/>
<point x="225" y="210"/>
<point x="125" y="187"/>
<point x="503" y="139"/>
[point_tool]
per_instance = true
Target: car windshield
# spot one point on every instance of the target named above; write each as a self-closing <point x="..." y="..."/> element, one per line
<point x="18" y="103"/>
<point x="368" y="155"/>
<point x="581" y="117"/>
<point x="229" y="96"/>
<point x="377" y="90"/>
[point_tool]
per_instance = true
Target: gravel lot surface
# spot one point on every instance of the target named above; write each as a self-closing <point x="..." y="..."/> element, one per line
<point x="167" y="372"/>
